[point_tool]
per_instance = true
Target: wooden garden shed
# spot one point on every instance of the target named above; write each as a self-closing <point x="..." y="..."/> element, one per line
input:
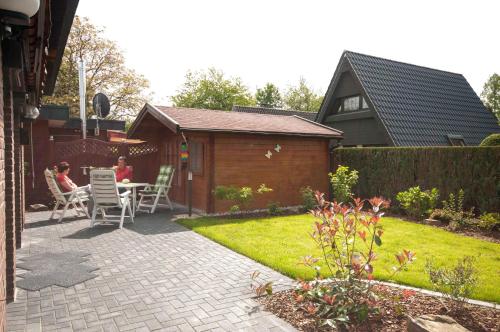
<point x="237" y="149"/>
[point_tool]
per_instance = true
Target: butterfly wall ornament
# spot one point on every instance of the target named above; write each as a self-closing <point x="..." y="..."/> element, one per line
<point x="268" y="154"/>
<point x="277" y="148"/>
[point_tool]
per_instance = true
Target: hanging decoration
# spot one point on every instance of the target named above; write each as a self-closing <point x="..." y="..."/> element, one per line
<point x="269" y="154"/>
<point x="184" y="152"/>
<point x="277" y="148"/>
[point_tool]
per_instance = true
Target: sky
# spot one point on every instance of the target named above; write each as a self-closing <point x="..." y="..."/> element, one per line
<point x="280" y="41"/>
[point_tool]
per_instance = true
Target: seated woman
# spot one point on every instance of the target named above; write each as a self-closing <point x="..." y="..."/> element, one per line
<point x="63" y="179"/>
<point x="122" y="170"/>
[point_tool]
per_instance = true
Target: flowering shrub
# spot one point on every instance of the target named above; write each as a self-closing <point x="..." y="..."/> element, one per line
<point x="348" y="237"/>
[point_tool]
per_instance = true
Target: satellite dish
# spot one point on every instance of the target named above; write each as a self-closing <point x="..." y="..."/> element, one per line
<point x="100" y="104"/>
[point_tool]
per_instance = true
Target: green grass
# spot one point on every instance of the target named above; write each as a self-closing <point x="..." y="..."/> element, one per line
<point x="280" y="242"/>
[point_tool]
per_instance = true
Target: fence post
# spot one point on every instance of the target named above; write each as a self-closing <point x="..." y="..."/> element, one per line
<point x="124" y="150"/>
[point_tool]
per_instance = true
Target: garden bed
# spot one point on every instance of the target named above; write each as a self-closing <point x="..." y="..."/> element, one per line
<point x="491" y="236"/>
<point x="393" y="312"/>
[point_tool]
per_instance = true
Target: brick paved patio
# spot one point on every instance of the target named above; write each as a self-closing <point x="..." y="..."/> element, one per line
<point x="153" y="275"/>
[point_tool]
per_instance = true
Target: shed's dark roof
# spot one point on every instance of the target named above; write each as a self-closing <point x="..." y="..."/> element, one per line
<point x="54" y="112"/>
<point x="276" y="111"/>
<point x="419" y="106"/>
<point x="194" y="119"/>
<point x="104" y="124"/>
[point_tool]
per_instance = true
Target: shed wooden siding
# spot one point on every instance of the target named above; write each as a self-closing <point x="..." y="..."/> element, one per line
<point x="240" y="160"/>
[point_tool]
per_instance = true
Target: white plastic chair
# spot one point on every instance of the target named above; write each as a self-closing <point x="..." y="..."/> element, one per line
<point x="160" y="189"/>
<point x="106" y="196"/>
<point x="73" y="198"/>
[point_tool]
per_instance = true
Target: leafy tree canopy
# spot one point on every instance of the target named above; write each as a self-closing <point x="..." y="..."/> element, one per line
<point x="303" y="98"/>
<point x="105" y="72"/>
<point x="269" y="96"/>
<point x="491" y="94"/>
<point x="212" y="90"/>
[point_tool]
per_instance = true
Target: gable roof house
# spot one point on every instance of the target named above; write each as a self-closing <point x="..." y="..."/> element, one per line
<point x="237" y="149"/>
<point x="380" y="102"/>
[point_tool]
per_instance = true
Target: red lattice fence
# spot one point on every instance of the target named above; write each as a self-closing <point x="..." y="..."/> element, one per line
<point x="84" y="153"/>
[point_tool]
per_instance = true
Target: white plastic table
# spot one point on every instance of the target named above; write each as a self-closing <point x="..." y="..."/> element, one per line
<point x="133" y="186"/>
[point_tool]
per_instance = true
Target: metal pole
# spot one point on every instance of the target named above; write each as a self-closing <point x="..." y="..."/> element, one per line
<point x="83" y="87"/>
<point x="190" y="191"/>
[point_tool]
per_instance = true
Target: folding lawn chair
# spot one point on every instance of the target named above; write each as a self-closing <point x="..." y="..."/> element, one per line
<point x="106" y="196"/>
<point x="153" y="193"/>
<point x="73" y="198"/>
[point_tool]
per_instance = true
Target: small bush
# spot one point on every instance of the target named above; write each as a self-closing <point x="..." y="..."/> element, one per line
<point x="441" y="215"/>
<point x="348" y="237"/>
<point x="489" y="221"/>
<point x="308" y="200"/>
<point x="342" y="182"/>
<point x="273" y="208"/>
<point x="453" y="209"/>
<point x="417" y="203"/>
<point x="456" y="282"/>
<point x="492" y="140"/>
<point x="240" y="197"/>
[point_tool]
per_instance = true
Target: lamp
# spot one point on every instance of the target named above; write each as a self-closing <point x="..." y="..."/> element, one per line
<point x="25" y="7"/>
<point x="31" y="112"/>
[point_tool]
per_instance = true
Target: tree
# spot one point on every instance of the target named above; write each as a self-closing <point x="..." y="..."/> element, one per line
<point x="303" y="98"/>
<point x="491" y="94"/>
<point x="269" y="96"/>
<point x="211" y="90"/>
<point x="105" y="72"/>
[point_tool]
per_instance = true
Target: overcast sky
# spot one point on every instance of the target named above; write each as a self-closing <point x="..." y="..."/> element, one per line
<point x="280" y="41"/>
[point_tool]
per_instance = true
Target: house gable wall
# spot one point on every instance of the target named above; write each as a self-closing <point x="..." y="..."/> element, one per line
<point x="360" y="127"/>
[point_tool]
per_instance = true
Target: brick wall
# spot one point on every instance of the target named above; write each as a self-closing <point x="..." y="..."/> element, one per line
<point x="2" y="212"/>
<point x="10" y="192"/>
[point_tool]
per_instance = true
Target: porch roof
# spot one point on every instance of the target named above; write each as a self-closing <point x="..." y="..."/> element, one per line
<point x="193" y="119"/>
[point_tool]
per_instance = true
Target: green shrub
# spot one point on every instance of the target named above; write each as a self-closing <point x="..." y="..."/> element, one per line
<point x="273" y="208"/>
<point x="240" y="197"/>
<point x="456" y="282"/>
<point x="492" y="140"/>
<point x="417" y="203"/>
<point x="454" y="209"/>
<point x="489" y="221"/>
<point x="342" y="182"/>
<point x="308" y="199"/>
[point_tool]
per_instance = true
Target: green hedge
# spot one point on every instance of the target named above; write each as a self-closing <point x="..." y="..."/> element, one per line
<point x="387" y="171"/>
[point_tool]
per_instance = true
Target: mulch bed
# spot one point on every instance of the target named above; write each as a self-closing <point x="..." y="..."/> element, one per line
<point x="490" y="236"/>
<point x="473" y="317"/>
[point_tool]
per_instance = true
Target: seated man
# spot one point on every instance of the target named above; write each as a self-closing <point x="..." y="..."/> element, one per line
<point x="122" y="170"/>
<point x="63" y="179"/>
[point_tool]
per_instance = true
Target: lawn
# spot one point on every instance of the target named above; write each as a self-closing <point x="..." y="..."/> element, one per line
<point x="280" y="242"/>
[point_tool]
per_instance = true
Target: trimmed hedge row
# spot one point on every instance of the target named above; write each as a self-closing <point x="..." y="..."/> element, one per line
<point x="387" y="171"/>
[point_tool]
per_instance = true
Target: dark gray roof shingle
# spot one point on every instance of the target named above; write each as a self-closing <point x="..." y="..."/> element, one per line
<point x="420" y="106"/>
<point x="275" y="111"/>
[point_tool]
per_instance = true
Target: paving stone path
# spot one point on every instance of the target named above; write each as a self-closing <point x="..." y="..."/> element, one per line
<point x="152" y="275"/>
